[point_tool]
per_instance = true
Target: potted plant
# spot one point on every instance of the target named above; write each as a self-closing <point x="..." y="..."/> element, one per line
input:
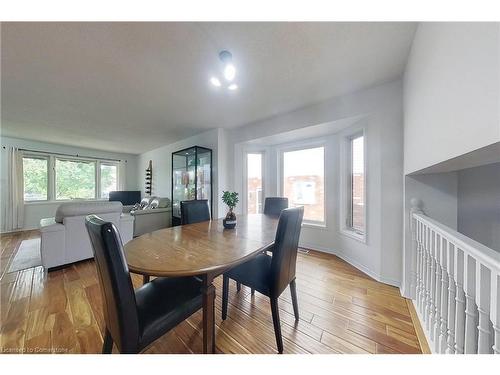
<point x="230" y="199"/>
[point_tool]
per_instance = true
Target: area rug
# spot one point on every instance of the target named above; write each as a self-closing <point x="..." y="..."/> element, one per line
<point x="27" y="256"/>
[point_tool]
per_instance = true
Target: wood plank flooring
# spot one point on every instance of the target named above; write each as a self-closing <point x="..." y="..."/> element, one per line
<point x="342" y="311"/>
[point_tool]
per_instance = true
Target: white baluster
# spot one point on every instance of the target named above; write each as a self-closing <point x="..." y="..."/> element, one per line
<point x="437" y="292"/>
<point x="419" y="262"/>
<point x="495" y="310"/>
<point x="483" y="295"/>
<point x="452" y="290"/>
<point x="415" y="208"/>
<point x="460" y="302"/>
<point x="470" y="307"/>
<point x="443" y="329"/>
<point x="432" y="296"/>
<point x="414" y="258"/>
<point x="425" y="267"/>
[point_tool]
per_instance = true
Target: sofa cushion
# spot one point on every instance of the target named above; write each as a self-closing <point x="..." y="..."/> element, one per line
<point x="68" y="209"/>
<point x="145" y="202"/>
<point x="159" y="203"/>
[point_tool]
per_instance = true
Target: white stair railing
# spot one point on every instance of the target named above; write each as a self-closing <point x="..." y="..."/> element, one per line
<point x="457" y="288"/>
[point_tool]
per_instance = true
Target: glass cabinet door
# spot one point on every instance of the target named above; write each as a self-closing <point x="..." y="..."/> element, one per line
<point x="203" y="173"/>
<point x="183" y="179"/>
<point x="191" y="177"/>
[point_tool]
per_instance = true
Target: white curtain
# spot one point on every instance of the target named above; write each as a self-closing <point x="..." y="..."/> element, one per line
<point x="122" y="174"/>
<point x="14" y="191"/>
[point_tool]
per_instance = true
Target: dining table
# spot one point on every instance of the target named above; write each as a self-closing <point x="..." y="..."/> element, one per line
<point x="205" y="250"/>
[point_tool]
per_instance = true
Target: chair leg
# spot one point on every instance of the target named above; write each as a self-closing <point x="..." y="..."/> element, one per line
<point x="145" y="279"/>
<point x="253" y="291"/>
<point x="276" y="323"/>
<point x="107" y="345"/>
<point x="225" y="296"/>
<point x="238" y="286"/>
<point x="293" y="290"/>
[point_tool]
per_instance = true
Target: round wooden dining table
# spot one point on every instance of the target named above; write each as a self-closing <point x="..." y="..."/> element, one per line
<point x="203" y="249"/>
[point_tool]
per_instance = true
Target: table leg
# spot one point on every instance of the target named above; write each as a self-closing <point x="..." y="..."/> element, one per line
<point x="208" y="290"/>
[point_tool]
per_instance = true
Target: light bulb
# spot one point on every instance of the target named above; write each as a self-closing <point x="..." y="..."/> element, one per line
<point x="233" y="87"/>
<point x="229" y="72"/>
<point x="215" y="81"/>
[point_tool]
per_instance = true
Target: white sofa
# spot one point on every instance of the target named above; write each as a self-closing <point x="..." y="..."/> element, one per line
<point x="64" y="238"/>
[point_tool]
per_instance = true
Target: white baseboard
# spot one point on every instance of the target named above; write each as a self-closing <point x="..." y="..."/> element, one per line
<point x="354" y="263"/>
<point x="19" y="230"/>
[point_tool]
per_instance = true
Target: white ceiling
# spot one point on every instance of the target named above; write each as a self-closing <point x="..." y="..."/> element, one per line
<point x="131" y="87"/>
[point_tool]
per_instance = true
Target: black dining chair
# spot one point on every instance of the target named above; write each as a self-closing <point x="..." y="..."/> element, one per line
<point x="270" y="275"/>
<point x="194" y="211"/>
<point x="134" y="319"/>
<point x="274" y="205"/>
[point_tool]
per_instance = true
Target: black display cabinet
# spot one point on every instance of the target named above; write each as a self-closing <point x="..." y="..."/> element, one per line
<point x="191" y="178"/>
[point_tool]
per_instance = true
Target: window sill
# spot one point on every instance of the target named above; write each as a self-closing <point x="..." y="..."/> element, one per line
<point x="36" y="203"/>
<point x="352" y="234"/>
<point x="321" y="226"/>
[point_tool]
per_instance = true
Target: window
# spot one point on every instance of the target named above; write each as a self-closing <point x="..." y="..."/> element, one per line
<point x="35" y="178"/>
<point x="355" y="215"/>
<point x="75" y="179"/>
<point x="254" y="183"/>
<point x="50" y="177"/>
<point x="303" y="181"/>
<point x="109" y="179"/>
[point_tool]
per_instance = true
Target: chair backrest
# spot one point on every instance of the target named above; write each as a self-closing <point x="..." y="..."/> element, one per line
<point x="285" y="249"/>
<point x="194" y="211"/>
<point x="274" y="205"/>
<point x="120" y="309"/>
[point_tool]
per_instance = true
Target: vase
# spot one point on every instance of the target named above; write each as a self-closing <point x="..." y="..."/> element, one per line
<point x="229" y="221"/>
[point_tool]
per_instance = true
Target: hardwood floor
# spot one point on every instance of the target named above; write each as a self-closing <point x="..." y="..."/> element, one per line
<point x="342" y="311"/>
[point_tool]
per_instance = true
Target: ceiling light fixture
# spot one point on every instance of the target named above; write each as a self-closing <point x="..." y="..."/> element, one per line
<point x="229" y="72"/>
<point x="215" y="81"/>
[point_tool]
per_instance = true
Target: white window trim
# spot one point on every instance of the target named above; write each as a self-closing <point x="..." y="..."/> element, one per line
<point x="51" y="176"/>
<point x="304" y="145"/>
<point x="33" y="155"/>
<point x="245" y="175"/>
<point x="98" y="173"/>
<point x="345" y="183"/>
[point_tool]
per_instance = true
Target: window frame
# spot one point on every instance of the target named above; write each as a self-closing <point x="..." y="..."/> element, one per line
<point x="245" y="176"/>
<point x="298" y="146"/>
<point x="100" y="163"/>
<point x="51" y="175"/>
<point x="32" y="155"/>
<point x="75" y="159"/>
<point x="346" y="186"/>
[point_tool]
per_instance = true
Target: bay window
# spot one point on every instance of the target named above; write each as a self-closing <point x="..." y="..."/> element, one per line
<point x="354" y="186"/>
<point x="303" y="181"/>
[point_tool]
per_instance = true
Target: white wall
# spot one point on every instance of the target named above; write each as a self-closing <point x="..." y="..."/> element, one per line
<point x="162" y="164"/>
<point x="33" y="212"/>
<point x="380" y="109"/>
<point x="451" y="92"/>
<point x="479" y="204"/>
